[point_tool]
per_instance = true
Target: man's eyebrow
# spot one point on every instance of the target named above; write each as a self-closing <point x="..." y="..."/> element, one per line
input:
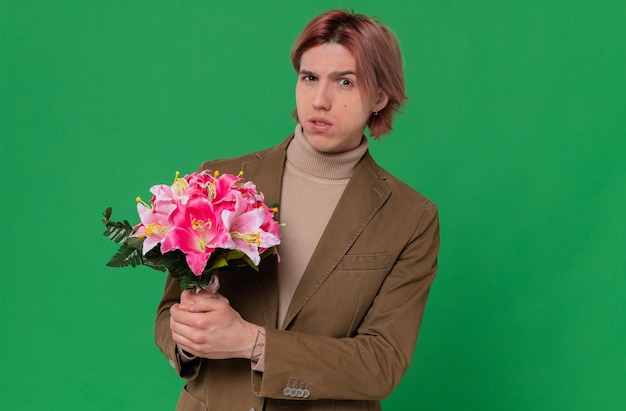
<point x="343" y="73"/>
<point x="334" y="74"/>
<point x="306" y="73"/>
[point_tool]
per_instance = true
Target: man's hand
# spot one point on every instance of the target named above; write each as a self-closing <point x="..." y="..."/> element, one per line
<point x="205" y="325"/>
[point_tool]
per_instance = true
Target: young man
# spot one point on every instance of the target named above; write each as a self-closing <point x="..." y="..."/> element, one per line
<point x="332" y="326"/>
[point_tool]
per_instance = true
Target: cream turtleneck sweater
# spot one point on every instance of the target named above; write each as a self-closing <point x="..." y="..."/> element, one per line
<point x="313" y="182"/>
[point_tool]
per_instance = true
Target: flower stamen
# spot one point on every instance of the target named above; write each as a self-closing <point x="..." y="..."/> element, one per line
<point x="200" y="225"/>
<point x="249" y="238"/>
<point x="139" y="200"/>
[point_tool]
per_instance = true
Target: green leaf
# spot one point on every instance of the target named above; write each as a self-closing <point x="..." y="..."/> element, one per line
<point x="222" y="259"/>
<point x="116" y="231"/>
<point x="125" y="256"/>
<point x="154" y="259"/>
<point x="135" y="242"/>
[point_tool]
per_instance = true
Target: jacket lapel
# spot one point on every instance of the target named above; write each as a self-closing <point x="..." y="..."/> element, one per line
<point x="266" y="171"/>
<point x="363" y="197"/>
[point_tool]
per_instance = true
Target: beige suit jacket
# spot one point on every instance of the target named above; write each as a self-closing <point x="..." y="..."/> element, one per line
<point x="353" y="322"/>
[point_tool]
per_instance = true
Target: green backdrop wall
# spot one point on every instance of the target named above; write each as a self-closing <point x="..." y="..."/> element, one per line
<point x="515" y="128"/>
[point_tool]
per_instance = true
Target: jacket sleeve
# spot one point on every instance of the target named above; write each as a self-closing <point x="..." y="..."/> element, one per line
<point x="369" y="364"/>
<point x="163" y="335"/>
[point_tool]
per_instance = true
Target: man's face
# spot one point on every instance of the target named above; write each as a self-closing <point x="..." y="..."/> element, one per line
<point x="332" y="104"/>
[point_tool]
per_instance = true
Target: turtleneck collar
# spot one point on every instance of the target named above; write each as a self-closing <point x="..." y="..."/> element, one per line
<point x="333" y="166"/>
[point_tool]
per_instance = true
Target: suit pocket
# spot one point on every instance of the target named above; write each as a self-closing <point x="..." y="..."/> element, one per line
<point x="366" y="262"/>
<point x="346" y="294"/>
<point x="187" y="402"/>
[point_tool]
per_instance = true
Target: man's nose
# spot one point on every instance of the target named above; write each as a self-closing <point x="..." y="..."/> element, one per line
<point x="322" y="100"/>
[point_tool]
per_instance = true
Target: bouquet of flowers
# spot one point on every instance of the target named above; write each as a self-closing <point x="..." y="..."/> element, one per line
<point x="201" y="223"/>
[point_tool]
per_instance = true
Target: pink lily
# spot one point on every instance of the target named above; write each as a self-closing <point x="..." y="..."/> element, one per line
<point x="154" y="217"/>
<point x="244" y="229"/>
<point x="196" y="232"/>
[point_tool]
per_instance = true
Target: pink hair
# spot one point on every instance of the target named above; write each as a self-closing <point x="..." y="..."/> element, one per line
<point x="376" y="53"/>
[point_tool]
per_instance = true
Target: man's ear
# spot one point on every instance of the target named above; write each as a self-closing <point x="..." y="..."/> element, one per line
<point x="381" y="101"/>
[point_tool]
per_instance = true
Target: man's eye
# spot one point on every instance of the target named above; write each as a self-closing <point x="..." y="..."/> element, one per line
<point x="345" y="82"/>
<point x="308" y="78"/>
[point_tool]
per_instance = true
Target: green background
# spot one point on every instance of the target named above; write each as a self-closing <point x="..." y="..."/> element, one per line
<point x="515" y="128"/>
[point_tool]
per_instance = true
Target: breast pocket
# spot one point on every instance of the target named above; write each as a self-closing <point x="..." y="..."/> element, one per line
<point x="348" y="293"/>
<point x="365" y="263"/>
